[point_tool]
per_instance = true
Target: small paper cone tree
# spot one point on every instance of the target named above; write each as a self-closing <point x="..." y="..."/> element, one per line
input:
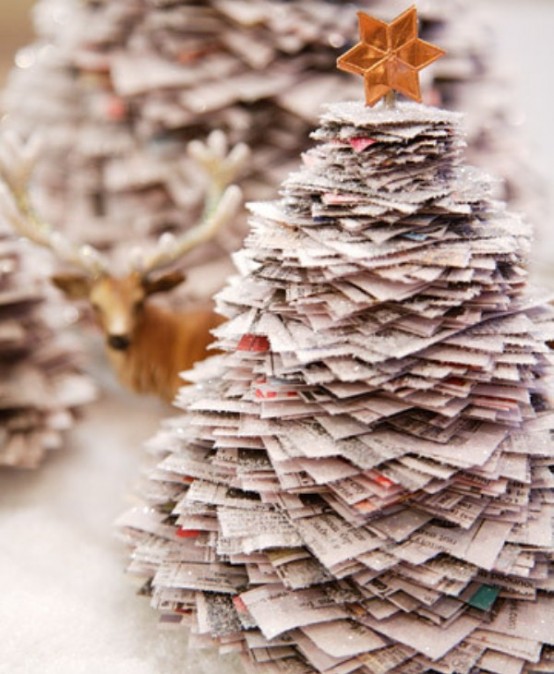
<point x="118" y="89"/>
<point x="42" y="383"/>
<point x="362" y="482"/>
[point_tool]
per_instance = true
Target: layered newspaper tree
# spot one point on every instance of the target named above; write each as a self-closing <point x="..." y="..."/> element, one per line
<point x="119" y="88"/>
<point x="363" y="481"/>
<point x="42" y="383"/>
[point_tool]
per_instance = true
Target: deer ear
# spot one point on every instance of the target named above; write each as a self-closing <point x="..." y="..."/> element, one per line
<point x="163" y="283"/>
<point x="75" y="286"/>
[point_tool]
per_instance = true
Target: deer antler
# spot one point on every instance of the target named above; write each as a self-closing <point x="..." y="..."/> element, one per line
<point x="17" y="161"/>
<point x="221" y="203"/>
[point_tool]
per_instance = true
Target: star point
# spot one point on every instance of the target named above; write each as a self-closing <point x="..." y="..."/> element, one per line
<point x="389" y="56"/>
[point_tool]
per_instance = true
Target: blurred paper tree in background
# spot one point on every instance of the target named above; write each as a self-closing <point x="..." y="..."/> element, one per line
<point x="41" y="384"/>
<point x="118" y="88"/>
<point x="41" y="381"/>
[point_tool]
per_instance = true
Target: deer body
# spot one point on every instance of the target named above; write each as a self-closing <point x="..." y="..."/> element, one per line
<point x="163" y="345"/>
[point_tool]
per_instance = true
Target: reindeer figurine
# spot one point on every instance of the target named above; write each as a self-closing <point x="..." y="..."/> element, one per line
<point x="147" y="345"/>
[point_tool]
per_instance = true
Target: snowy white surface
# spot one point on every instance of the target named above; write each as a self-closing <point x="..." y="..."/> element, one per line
<point x="66" y="606"/>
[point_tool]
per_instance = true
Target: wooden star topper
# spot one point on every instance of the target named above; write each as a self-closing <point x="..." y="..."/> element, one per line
<point x="389" y="56"/>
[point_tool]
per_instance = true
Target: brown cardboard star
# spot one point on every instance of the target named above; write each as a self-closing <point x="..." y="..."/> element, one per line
<point x="389" y="56"/>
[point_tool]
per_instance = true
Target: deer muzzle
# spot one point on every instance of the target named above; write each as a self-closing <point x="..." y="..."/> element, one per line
<point x="119" y="342"/>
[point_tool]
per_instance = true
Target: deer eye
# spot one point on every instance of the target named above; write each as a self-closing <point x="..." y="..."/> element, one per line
<point x="137" y="306"/>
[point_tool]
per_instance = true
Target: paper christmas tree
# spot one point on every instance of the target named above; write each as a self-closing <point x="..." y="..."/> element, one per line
<point x="362" y="482"/>
<point x="41" y="378"/>
<point x="120" y="87"/>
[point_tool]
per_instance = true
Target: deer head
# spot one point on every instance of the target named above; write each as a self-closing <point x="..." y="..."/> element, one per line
<point x="120" y="301"/>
